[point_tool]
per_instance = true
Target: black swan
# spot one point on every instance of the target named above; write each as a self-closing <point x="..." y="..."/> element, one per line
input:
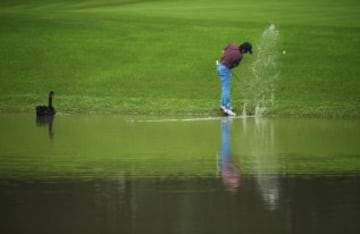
<point x="46" y="110"/>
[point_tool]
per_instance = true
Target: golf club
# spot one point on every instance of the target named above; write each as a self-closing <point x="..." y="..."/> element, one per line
<point x="236" y="76"/>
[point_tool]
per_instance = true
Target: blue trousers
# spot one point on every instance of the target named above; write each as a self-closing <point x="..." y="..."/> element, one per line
<point x="225" y="78"/>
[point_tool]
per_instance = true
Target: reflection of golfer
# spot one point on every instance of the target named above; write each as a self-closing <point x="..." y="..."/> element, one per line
<point x="230" y="58"/>
<point x="230" y="174"/>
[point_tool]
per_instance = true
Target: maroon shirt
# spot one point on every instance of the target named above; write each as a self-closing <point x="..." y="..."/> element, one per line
<point x="231" y="56"/>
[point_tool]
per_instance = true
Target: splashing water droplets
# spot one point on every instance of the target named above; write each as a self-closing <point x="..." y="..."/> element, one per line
<point x="259" y="91"/>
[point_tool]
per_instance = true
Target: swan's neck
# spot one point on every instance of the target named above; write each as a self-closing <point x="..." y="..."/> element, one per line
<point x="50" y="101"/>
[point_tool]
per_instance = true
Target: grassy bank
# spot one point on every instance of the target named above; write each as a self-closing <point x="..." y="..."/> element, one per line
<point x="158" y="57"/>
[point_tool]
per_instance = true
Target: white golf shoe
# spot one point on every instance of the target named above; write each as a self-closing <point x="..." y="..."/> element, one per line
<point x="223" y="108"/>
<point x="229" y="112"/>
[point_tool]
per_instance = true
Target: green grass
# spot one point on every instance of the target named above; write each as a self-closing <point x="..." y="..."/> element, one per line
<point x="157" y="57"/>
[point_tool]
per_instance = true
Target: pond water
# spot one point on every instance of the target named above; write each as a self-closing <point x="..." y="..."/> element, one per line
<point x="112" y="174"/>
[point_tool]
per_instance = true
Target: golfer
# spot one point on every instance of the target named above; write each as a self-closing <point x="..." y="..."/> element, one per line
<point x="230" y="58"/>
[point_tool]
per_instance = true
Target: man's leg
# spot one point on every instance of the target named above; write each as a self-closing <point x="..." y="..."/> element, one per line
<point x="225" y="77"/>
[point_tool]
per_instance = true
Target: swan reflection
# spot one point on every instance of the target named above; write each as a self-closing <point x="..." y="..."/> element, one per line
<point x="46" y="121"/>
<point x="45" y="115"/>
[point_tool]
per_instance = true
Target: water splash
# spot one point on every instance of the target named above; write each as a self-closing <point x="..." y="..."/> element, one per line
<point x="244" y="109"/>
<point x="259" y="110"/>
<point x="259" y="91"/>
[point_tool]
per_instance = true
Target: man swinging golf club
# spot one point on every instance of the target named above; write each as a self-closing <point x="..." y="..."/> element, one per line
<point x="230" y="58"/>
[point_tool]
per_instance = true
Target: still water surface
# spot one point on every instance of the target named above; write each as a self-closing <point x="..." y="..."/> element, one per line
<point x="111" y="174"/>
<point x="329" y="204"/>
